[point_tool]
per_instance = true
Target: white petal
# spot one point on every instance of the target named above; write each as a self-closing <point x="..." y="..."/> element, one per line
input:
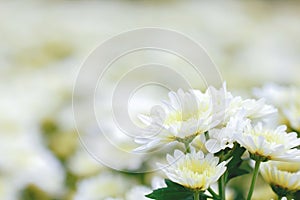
<point x="213" y="146"/>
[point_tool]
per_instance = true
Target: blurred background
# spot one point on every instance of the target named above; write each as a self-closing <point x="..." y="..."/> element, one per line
<point x="43" y="44"/>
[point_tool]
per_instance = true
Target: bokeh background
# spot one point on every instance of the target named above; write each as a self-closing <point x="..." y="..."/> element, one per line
<point x="43" y="44"/>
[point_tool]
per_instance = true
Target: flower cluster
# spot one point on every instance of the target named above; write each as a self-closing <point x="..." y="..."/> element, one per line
<point x="41" y="155"/>
<point x="215" y="132"/>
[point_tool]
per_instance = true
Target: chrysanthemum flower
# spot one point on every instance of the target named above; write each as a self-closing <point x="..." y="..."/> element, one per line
<point x="252" y="108"/>
<point x="270" y="144"/>
<point x="185" y="116"/>
<point x="282" y="176"/>
<point x="257" y="109"/>
<point x="193" y="170"/>
<point x="220" y="139"/>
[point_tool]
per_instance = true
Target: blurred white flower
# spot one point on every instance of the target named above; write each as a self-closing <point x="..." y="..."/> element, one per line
<point x="292" y="113"/>
<point x="103" y="186"/>
<point x="285" y="175"/>
<point x="158" y="182"/>
<point x="9" y="189"/>
<point x="273" y="93"/>
<point x="269" y="143"/>
<point x="26" y="161"/>
<point x="193" y="170"/>
<point x="110" y="198"/>
<point x="287" y="101"/>
<point x="82" y="163"/>
<point x="119" y="146"/>
<point x="138" y="192"/>
<point x="35" y="75"/>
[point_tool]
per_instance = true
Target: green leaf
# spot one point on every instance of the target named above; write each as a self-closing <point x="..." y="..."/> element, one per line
<point x="171" y="192"/>
<point x="236" y="166"/>
<point x="236" y="173"/>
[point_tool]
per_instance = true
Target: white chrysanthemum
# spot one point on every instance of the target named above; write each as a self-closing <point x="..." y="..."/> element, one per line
<point x="185" y="116"/>
<point x="193" y="170"/>
<point x="103" y="186"/>
<point x="224" y="138"/>
<point x="224" y="103"/>
<point x="269" y="143"/>
<point x="253" y="109"/>
<point x="257" y="109"/>
<point x="282" y="174"/>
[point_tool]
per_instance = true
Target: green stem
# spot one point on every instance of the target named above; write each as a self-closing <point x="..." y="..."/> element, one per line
<point x="221" y="185"/>
<point x="187" y="147"/>
<point x="255" y="173"/>
<point x="212" y="192"/>
<point x="196" y="196"/>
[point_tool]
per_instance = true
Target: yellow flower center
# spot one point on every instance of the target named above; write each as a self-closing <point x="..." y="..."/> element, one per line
<point x="173" y="118"/>
<point x="197" y="167"/>
<point x="270" y="137"/>
<point x="179" y="116"/>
